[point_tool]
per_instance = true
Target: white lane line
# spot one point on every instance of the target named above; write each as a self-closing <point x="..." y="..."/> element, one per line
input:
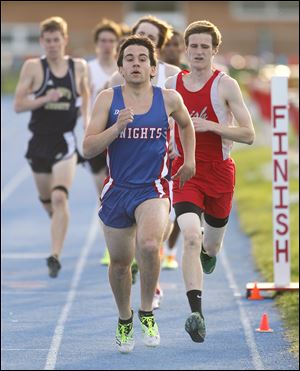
<point x="59" y="330"/>
<point x="250" y="340"/>
<point x="14" y="183"/>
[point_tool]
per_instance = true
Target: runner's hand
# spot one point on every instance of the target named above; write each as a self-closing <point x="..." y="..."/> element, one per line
<point x="185" y="172"/>
<point x="53" y="95"/>
<point x="125" y="117"/>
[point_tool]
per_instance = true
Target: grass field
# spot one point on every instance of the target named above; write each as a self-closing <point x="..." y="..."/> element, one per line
<point x="254" y="201"/>
<point x="9" y="81"/>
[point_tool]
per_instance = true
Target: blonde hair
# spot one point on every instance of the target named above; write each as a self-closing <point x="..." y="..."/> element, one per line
<point x="54" y="24"/>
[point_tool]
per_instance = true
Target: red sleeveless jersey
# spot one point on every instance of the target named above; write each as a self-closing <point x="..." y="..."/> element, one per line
<point x="205" y="103"/>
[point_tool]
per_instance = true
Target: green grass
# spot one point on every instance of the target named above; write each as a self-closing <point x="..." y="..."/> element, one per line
<point x="254" y="201"/>
<point x="9" y="81"/>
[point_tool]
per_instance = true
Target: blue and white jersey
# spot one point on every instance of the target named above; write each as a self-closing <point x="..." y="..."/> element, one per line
<point x="139" y="156"/>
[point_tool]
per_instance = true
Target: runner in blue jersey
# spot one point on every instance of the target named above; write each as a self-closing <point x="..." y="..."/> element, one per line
<point x="131" y="121"/>
<point x="159" y="32"/>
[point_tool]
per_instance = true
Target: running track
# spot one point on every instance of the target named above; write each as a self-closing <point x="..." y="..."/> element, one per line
<point x="69" y="323"/>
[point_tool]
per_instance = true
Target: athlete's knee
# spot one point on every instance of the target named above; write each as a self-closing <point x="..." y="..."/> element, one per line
<point x="119" y="268"/>
<point x="148" y="246"/>
<point x="192" y="240"/>
<point x="59" y="196"/>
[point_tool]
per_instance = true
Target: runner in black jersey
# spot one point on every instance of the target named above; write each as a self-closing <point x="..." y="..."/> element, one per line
<point x="52" y="87"/>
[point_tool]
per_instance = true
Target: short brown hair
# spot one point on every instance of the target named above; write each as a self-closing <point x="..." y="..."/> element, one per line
<point x="107" y="25"/>
<point x="54" y="24"/>
<point x="204" y="27"/>
<point x="165" y="30"/>
<point x="138" y="40"/>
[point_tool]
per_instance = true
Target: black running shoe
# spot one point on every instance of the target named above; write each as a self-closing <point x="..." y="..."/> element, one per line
<point x="134" y="271"/>
<point x="54" y="266"/>
<point x="195" y="326"/>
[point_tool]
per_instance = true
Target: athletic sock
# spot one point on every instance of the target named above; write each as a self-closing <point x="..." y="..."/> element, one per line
<point x="126" y="321"/>
<point x="143" y="313"/>
<point x="194" y="297"/>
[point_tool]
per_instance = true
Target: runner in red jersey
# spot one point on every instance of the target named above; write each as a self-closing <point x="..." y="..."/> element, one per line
<point x="213" y="99"/>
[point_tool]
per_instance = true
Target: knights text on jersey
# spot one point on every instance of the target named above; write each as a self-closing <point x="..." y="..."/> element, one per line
<point x="139" y="156"/>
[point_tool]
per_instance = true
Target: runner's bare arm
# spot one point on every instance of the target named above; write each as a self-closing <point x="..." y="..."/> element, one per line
<point x="171" y="70"/>
<point x="180" y="114"/>
<point x="116" y="79"/>
<point x="97" y="138"/>
<point x="23" y="98"/>
<point x="231" y="94"/>
<point x="82" y="68"/>
<point x="244" y="132"/>
<point x="171" y="82"/>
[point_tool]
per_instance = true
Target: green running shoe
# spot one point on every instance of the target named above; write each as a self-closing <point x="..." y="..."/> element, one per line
<point x="105" y="260"/>
<point x="124" y="337"/>
<point x="151" y="337"/>
<point x="195" y="326"/>
<point x="208" y="262"/>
